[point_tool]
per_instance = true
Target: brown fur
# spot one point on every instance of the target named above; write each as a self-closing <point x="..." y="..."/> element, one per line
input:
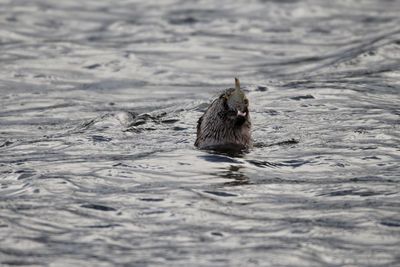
<point x="216" y="129"/>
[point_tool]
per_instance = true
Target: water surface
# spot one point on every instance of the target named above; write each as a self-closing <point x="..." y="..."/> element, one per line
<point x="99" y="104"/>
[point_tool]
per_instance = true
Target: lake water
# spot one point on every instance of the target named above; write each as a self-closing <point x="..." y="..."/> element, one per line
<point x="98" y="111"/>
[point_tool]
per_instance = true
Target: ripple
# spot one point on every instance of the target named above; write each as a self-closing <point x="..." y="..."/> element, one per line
<point x="97" y="207"/>
<point x="220" y="193"/>
<point x="99" y="109"/>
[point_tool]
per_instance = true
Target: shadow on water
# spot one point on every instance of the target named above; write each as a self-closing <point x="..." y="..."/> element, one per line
<point x="227" y="156"/>
<point x="234" y="173"/>
<point x="231" y="172"/>
<point x="281" y="143"/>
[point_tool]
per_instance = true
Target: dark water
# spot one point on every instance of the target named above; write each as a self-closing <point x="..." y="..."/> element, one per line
<point x="85" y="183"/>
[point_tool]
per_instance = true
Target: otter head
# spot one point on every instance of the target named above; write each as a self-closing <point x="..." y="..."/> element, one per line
<point x="236" y="104"/>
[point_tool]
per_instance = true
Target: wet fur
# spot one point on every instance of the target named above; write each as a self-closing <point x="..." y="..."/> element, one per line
<point x="216" y="130"/>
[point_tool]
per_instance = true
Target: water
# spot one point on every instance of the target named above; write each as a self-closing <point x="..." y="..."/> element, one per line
<point x="83" y="182"/>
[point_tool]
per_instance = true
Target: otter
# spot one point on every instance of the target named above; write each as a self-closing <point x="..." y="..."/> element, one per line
<point x="226" y="124"/>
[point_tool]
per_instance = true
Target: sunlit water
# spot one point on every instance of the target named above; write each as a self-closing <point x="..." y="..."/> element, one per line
<point x="99" y="104"/>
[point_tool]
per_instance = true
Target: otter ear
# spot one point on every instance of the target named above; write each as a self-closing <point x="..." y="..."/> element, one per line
<point x="237" y="84"/>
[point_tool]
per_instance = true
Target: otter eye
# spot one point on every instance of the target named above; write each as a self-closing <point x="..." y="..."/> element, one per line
<point x="246" y="101"/>
<point x="224" y="96"/>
